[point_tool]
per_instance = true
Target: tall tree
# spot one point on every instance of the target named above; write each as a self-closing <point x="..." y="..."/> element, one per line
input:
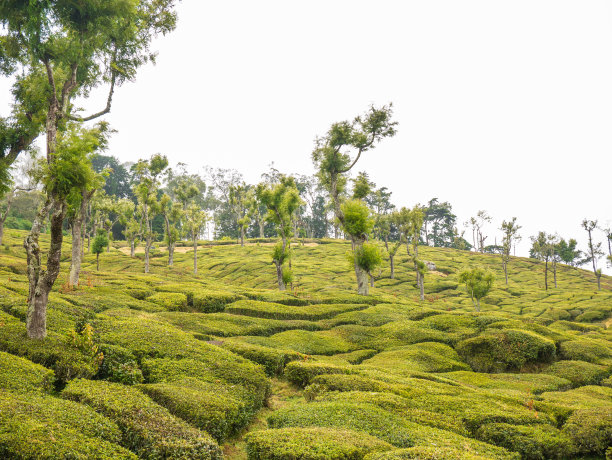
<point x="56" y="51"/>
<point x="510" y="233"/>
<point x="439" y="218"/>
<point x="542" y="249"/>
<point x="241" y="206"/>
<point x="148" y="174"/>
<point x="282" y="201"/>
<point x="172" y="213"/>
<point x="594" y="249"/>
<point x="195" y="221"/>
<point x="568" y="252"/>
<point x="333" y="160"/>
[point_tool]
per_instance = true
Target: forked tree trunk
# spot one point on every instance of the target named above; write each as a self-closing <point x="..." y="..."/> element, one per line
<point x="41" y="280"/>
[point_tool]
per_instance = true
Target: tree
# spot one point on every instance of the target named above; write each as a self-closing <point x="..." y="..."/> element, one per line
<point x="147" y="174"/>
<point x="195" y="221"/>
<point x="542" y="249"/>
<point x="118" y="181"/>
<point x="384" y="223"/>
<point x="172" y="213"/>
<point x="220" y="182"/>
<point x="239" y="200"/>
<point x="282" y="201"/>
<point x="440" y="218"/>
<point x="510" y="230"/>
<point x="594" y="249"/>
<point x="568" y="253"/>
<point x="132" y="229"/>
<point x="478" y="282"/>
<point x="333" y="160"/>
<point x="410" y="223"/>
<point x="56" y="51"/>
<point x="99" y="245"/>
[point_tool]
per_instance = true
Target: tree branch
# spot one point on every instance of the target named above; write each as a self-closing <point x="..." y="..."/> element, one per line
<point x="69" y="86"/>
<point x="51" y="79"/>
<point x="109" y="100"/>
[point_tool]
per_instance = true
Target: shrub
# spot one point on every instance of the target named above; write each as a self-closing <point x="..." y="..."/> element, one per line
<point x="272" y="360"/>
<point x="301" y="373"/>
<point x="148" y="429"/>
<point x="278" y="311"/>
<point x="307" y="342"/>
<point x="590" y="429"/>
<point x="208" y="406"/>
<point x="596" y="351"/>
<point x="311" y="444"/>
<point x="119" y="365"/>
<point x="172" y="301"/>
<point x="507" y="349"/>
<point x="213" y="301"/>
<point x="44" y="427"/>
<point x="140" y="294"/>
<point x="532" y="442"/>
<point x="359" y="417"/>
<point x="580" y="373"/>
<point x="420" y="357"/>
<point x="21" y="375"/>
<point x="426" y="453"/>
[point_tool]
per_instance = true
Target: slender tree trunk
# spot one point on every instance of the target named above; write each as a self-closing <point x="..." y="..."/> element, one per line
<point x="77" y="239"/>
<point x="362" y="281"/>
<point x="546" y="275"/>
<point x="241" y="236"/>
<point x="132" y="248"/>
<point x="477" y="304"/>
<point x="279" y="276"/>
<point x="195" y="254"/>
<point x="371" y="280"/>
<point x="262" y="224"/>
<point x="422" y="286"/>
<point x="171" y="254"/>
<point x="505" y="265"/>
<point x="392" y="267"/>
<point x="1" y="230"/>
<point x="148" y="244"/>
<point x="97" y="261"/>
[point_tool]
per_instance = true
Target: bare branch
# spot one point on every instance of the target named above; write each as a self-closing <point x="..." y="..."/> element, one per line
<point x="69" y="86"/>
<point x="109" y="101"/>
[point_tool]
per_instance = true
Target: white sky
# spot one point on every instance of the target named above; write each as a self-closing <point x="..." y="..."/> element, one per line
<point x="502" y="105"/>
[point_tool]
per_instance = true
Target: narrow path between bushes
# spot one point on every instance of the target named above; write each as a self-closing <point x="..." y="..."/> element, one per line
<point x="282" y="394"/>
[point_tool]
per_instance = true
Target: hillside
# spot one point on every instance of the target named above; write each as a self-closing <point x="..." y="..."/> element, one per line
<point x="166" y="365"/>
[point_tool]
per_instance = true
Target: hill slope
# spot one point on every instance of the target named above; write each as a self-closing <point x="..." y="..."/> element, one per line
<point x="173" y="366"/>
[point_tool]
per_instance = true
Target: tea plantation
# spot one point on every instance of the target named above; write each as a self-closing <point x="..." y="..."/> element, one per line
<point x="223" y="365"/>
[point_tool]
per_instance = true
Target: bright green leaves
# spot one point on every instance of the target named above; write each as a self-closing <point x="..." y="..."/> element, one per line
<point x="358" y="221"/>
<point x="366" y="256"/>
<point x="282" y="201"/>
<point x="478" y="282"/>
<point x="100" y="242"/>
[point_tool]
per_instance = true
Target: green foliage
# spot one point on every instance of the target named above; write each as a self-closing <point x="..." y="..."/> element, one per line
<point x="359" y="417"/>
<point x="358" y="221"/>
<point x="532" y="442"/>
<point x="119" y="365"/>
<point x="367" y="256"/>
<point x="99" y="243"/>
<point x="45" y="427"/>
<point x="147" y="428"/>
<point x="272" y="360"/>
<point x="578" y="372"/>
<point x="426" y="453"/>
<point x="311" y="444"/>
<point x="277" y="311"/>
<point x="302" y="372"/>
<point x="20" y="375"/>
<point x="508" y="349"/>
<point x="172" y="301"/>
<point x="590" y="429"/>
<point x="478" y="282"/>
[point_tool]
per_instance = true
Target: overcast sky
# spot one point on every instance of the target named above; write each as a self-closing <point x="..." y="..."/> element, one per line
<point x="503" y="106"/>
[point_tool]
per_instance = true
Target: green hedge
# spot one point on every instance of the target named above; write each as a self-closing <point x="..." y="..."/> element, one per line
<point x="591" y="429"/>
<point x="311" y="444"/>
<point x="509" y="349"/>
<point x="426" y="453"/>
<point x="306" y="342"/>
<point x="279" y="311"/>
<point x="44" y="427"/>
<point x="301" y="373"/>
<point x="344" y="415"/>
<point x="532" y="442"/>
<point x="147" y="428"/>
<point x="272" y="360"/>
<point x="173" y="301"/>
<point x="21" y="375"/>
<point x="580" y="373"/>
<point x="596" y="351"/>
<point x="208" y="301"/>
<point x="207" y="405"/>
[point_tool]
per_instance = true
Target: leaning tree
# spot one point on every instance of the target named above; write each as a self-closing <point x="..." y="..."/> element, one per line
<point x="337" y="152"/>
<point x="58" y="51"/>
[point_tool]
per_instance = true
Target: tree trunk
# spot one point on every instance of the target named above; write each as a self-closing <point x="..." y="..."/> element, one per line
<point x="40" y="280"/>
<point x="422" y="286"/>
<point x="97" y="261"/>
<point x="195" y="255"/>
<point x="546" y="275"/>
<point x="171" y="254"/>
<point x="77" y="240"/>
<point x="148" y="243"/>
<point x="241" y="236"/>
<point x="1" y="230"/>
<point x="132" y="248"/>
<point x="262" y="224"/>
<point x="555" y="273"/>
<point x="392" y="267"/>
<point x="477" y="304"/>
<point x="371" y="280"/>
<point x="279" y="275"/>
<point x="505" y="265"/>
<point x="362" y="281"/>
